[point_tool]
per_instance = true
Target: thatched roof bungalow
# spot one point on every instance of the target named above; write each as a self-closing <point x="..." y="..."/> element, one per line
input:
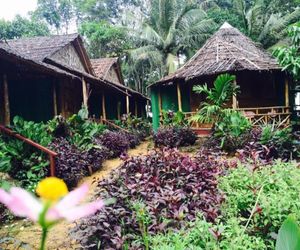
<point x="264" y="87"/>
<point x="44" y="76"/>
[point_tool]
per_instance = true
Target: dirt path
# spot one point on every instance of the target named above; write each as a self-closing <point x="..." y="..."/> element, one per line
<point x="27" y="236"/>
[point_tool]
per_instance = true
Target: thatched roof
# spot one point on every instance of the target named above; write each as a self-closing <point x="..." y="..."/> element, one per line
<point x="228" y="50"/>
<point x="7" y="53"/>
<point x="37" y="51"/>
<point x="38" y="48"/>
<point x="102" y="66"/>
<point x="41" y="47"/>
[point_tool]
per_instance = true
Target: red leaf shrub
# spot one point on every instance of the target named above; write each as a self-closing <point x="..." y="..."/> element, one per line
<point x="174" y="188"/>
<point x="174" y="137"/>
<point x="72" y="164"/>
<point x="116" y="142"/>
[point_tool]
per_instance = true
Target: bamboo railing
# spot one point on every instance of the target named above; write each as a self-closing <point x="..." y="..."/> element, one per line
<point x="279" y="115"/>
<point x="51" y="153"/>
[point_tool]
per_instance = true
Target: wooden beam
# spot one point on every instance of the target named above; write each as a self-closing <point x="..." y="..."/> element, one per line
<point x="103" y="107"/>
<point x="84" y="93"/>
<point x="127" y="103"/>
<point x="135" y="108"/>
<point x="54" y="95"/>
<point x="234" y="99"/>
<point x="6" y="101"/>
<point x="286" y="91"/>
<point x="179" y="97"/>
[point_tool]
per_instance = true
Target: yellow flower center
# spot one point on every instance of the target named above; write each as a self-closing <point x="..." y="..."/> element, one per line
<point x="52" y="189"/>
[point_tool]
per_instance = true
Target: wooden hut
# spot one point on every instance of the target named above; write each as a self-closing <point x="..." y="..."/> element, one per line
<point x="109" y="69"/>
<point x="264" y="87"/>
<point x="45" y="76"/>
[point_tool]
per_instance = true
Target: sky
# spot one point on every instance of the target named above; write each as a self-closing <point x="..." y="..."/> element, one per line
<point x="10" y="8"/>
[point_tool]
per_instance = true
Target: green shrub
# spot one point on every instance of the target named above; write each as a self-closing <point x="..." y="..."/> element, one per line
<point x="233" y="130"/>
<point x="275" y="188"/>
<point x="22" y="161"/>
<point x="171" y="118"/>
<point x="203" y="235"/>
<point x="282" y="140"/>
<point x="257" y="203"/>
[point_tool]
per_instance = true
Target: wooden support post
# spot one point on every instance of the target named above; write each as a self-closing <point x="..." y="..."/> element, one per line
<point x="84" y="93"/>
<point x="135" y="108"/>
<point x="103" y="107"/>
<point x="234" y="99"/>
<point x="286" y="91"/>
<point x="179" y="97"/>
<point x="119" y="110"/>
<point x="159" y="101"/>
<point x="127" y="103"/>
<point x="55" y="110"/>
<point x="6" y="101"/>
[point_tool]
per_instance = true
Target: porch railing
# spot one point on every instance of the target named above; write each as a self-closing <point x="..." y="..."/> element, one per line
<point x="279" y="115"/>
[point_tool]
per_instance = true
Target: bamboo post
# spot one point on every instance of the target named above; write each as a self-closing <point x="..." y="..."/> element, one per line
<point x="179" y="97"/>
<point x="234" y="99"/>
<point x="84" y="93"/>
<point x="103" y="107"/>
<point x="127" y="103"/>
<point x="286" y="90"/>
<point x="159" y="101"/>
<point x="55" y="112"/>
<point x="136" y="108"/>
<point x="6" y="101"/>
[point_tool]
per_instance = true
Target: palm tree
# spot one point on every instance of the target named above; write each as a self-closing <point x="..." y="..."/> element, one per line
<point x="263" y="20"/>
<point x="172" y="32"/>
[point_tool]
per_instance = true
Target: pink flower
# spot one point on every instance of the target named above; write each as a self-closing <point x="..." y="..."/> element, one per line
<point x="24" y="204"/>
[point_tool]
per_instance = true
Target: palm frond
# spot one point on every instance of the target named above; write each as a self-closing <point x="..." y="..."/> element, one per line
<point x="151" y="36"/>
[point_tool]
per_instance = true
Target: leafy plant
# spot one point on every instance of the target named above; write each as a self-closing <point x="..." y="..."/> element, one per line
<point x="289" y="56"/>
<point x="72" y="163"/>
<point x="173" y="188"/>
<point x="174" y="136"/>
<point x="260" y="199"/>
<point x="136" y="125"/>
<point x="216" y="98"/>
<point x="20" y="160"/>
<point x="115" y="141"/>
<point x="232" y="130"/>
<point x="171" y="118"/>
<point x="268" y="143"/>
<point x="289" y="235"/>
<point x="143" y="218"/>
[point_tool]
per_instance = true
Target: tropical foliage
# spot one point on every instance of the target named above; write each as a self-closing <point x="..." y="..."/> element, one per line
<point x="217" y="98"/>
<point x="289" y="56"/>
<point x="175" y="28"/>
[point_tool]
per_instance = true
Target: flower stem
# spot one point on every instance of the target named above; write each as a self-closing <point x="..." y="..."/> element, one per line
<point x="44" y="236"/>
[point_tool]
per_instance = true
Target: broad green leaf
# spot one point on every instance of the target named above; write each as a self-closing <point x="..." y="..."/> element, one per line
<point x="288" y="236"/>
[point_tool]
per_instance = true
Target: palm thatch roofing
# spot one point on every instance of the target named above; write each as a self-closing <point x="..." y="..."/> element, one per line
<point x="37" y="51"/>
<point x="228" y="50"/>
<point x="38" y="48"/>
<point x="41" y="47"/>
<point x="7" y="53"/>
<point x="102" y="66"/>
